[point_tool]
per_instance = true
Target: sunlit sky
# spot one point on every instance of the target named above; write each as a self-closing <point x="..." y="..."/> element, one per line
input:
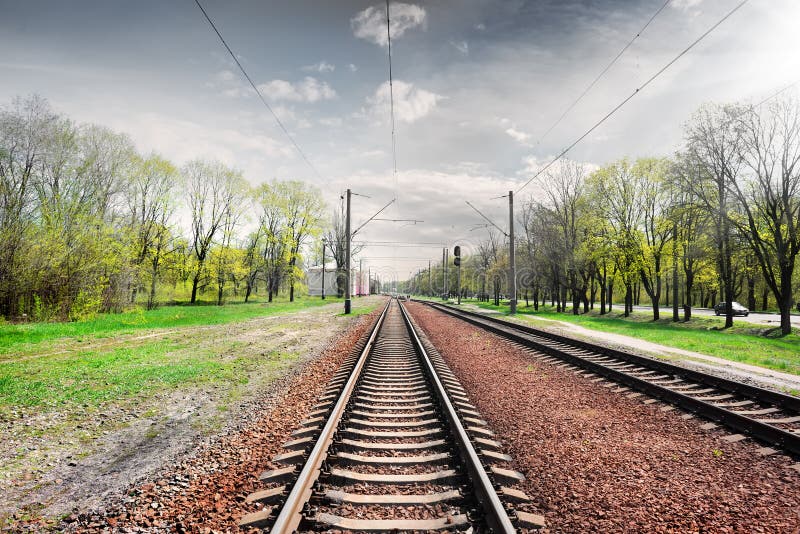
<point x="476" y="85"/>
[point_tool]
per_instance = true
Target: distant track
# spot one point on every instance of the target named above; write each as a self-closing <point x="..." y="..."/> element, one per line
<point x="393" y="444"/>
<point x="770" y="417"/>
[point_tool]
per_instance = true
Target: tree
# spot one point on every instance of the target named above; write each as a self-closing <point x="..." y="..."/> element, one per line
<point x="212" y="191"/>
<point x="25" y="130"/>
<point x="769" y="196"/>
<point x="336" y="239"/>
<point x="564" y="189"/>
<point x="714" y="145"/>
<point x="273" y="229"/>
<point x="303" y="209"/>
<point x="150" y="205"/>
<point x="654" y="196"/>
<point x="614" y="188"/>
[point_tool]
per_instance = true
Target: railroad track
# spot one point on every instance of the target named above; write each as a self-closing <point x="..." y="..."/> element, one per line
<point x="770" y="417"/>
<point x="393" y="444"/>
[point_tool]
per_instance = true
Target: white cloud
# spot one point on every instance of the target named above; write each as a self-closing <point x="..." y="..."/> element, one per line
<point x="480" y="27"/>
<point x="225" y="76"/>
<point x="519" y="135"/>
<point x="461" y="46"/>
<point x="370" y="24"/>
<point x="410" y="103"/>
<point x="308" y="90"/>
<point x="322" y="66"/>
<point x="352" y="67"/>
<point x="685" y="5"/>
<point x="331" y="121"/>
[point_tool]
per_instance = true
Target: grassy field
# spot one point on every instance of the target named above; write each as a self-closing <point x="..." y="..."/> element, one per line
<point x="122" y="355"/>
<point x="22" y="338"/>
<point x="744" y="342"/>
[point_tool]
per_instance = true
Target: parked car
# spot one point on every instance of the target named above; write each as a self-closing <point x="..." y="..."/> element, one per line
<point x="738" y="309"/>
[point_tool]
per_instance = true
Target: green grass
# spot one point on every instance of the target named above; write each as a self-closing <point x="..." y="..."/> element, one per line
<point x="20" y="338"/>
<point x="89" y="375"/>
<point x="744" y="342"/>
<point x="91" y="378"/>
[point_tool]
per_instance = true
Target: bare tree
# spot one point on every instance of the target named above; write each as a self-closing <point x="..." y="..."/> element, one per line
<point x="714" y="144"/>
<point x="336" y="239"/>
<point x="564" y="190"/>
<point x="25" y="129"/>
<point x="769" y="196"/>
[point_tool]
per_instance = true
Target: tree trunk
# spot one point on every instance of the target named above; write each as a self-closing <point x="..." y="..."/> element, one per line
<point x="602" y="298"/>
<point x="195" y="283"/>
<point x="785" y="302"/>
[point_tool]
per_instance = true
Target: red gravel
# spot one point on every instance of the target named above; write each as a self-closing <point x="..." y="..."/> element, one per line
<point x="599" y="461"/>
<point x="205" y="493"/>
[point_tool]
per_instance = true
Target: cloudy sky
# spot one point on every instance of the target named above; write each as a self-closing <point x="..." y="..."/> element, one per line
<point x="476" y="85"/>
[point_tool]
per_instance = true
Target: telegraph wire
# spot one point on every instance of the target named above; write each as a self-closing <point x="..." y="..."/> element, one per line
<point x="391" y="97"/>
<point x="589" y="87"/>
<point x="629" y="97"/>
<point x="260" y="96"/>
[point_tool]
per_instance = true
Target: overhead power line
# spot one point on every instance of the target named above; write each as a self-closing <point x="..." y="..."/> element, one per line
<point x="629" y="97"/>
<point x="258" y="92"/>
<point x="391" y="98"/>
<point x="589" y="87"/>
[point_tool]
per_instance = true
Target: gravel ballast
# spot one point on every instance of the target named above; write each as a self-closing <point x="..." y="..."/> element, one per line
<point x="596" y="460"/>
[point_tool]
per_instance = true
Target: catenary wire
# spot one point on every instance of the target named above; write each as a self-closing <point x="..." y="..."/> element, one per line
<point x="635" y="92"/>
<point x="602" y="73"/>
<point x="258" y="92"/>
<point x="391" y="99"/>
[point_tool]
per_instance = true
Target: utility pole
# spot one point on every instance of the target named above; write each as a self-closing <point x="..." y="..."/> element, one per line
<point x="429" y="277"/>
<point x="447" y="273"/>
<point x="347" y="303"/>
<point x="323" y="269"/>
<point x="444" y="266"/>
<point x="457" y="261"/>
<point x="675" y="317"/>
<point x="369" y="281"/>
<point x="361" y="277"/>
<point x="512" y="262"/>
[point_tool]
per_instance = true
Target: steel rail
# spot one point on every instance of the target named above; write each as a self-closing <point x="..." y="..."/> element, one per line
<point x="290" y="515"/>
<point x="495" y="512"/>
<point x="759" y="430"/>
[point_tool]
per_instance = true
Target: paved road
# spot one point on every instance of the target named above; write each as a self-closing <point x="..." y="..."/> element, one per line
<point x="754" y="317"/>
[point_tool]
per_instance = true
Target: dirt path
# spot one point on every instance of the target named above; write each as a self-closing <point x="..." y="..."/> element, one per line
<point x="78" y="461"/>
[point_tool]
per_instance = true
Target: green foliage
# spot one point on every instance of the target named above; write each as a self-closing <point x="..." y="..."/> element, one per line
<point x="89" y="225"/>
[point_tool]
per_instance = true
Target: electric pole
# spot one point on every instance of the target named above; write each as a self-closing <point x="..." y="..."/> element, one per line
<point x="429" y="277"/>
<point x="347" y="258"/>
<point x="361" y="277"/>
<point x="369" y="281"/>
<point x="675" y="317"/>
<point x="446" y="273"/>
<point x="323" y="269"/>
<point x="457" y="261"/>
<point x="512" y="262"/>
<point x="444" y="266"/>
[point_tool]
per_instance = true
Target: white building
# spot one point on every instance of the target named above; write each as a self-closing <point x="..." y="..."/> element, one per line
<point x="358" y="281"/>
